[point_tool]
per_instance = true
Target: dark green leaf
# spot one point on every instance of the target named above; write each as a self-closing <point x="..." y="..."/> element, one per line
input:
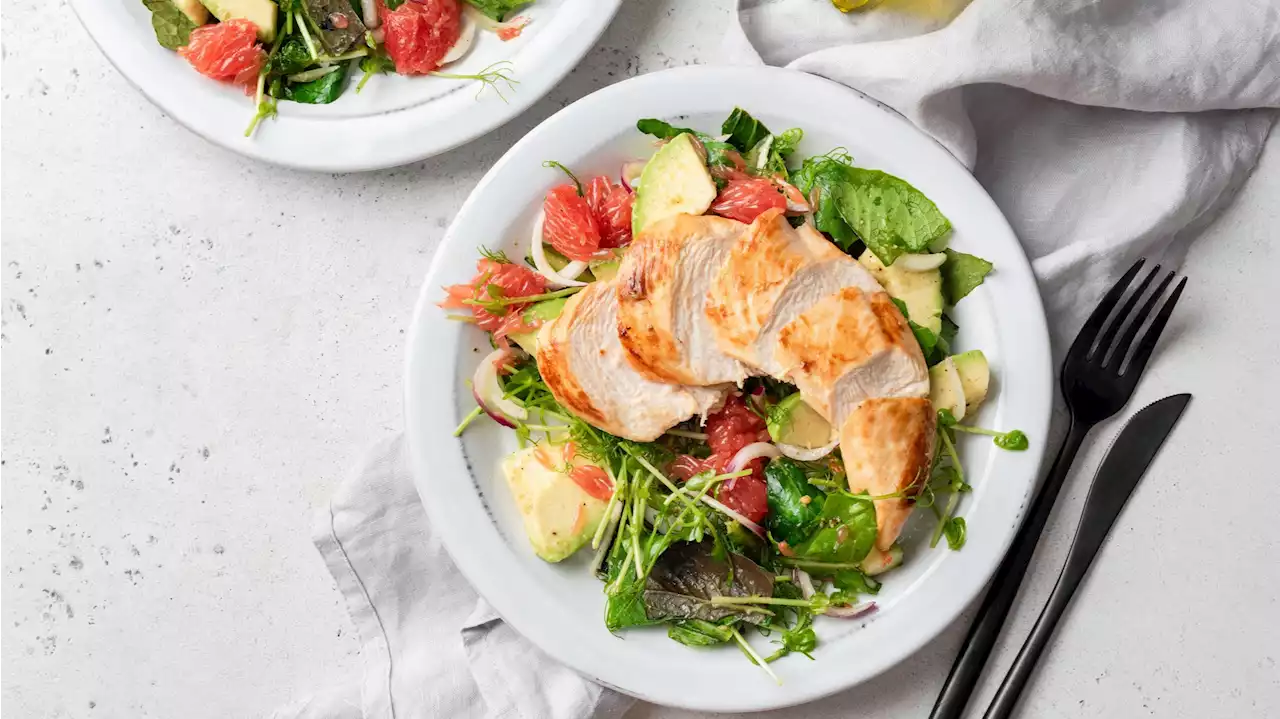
<point x="393" y="4"/>
<point x="498" y="9"/>
<point x="321" y="91"/>
<point x="961" y="273"/>
<point x="955" y="532"/>
<point x="744" y="131"/>
<point x="173" y="28"/>
<point x="790" y="518"/>
<point x="851" y="581"/>
<point x="719" y="154"/>
<point x="1015" y="441"/>
<point x="949" y="330"/>
<point x="827" y="173"/>
<point x="699" y="633"/>
<point x="321" y="16"/>
<point x="846" y="533"/>
<point x="946" y="418"/>
<point x="662" y="130"/>
<point x="292" y="57"/>
<point x="887" y="213"/>
<point x="687" y="576"/>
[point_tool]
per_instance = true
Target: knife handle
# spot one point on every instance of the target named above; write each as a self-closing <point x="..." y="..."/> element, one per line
<point x="1003" y="589"/>
<point x="1101" y="509"/>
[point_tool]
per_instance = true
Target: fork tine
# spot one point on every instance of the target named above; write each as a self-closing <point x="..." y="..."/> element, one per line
<point x="1148" y="342"/>
<point x="1126" y="340"/>
<point x="1126" y="312"/>
<point x="1089" y="332"/>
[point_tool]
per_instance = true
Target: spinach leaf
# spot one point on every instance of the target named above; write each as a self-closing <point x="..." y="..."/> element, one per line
<point x="744" y="131"/>
<point x="949" y="330"/>
<point x="846" y="530"/>
<point x="955" y="531"/>
<point x="699" y="633"/>
<point x="790" y="518"/>
<point x="932" y="346"/>
<point x="852" y="581"/>
<point x="662" y="130"/>
<point x="496" y="9"/>
<point x="321" y="91"/>
<point x="292" y="57"/>
<point x="888" y="214"/>
<point x="173" y="28"/>
<point x="961" y="273"/>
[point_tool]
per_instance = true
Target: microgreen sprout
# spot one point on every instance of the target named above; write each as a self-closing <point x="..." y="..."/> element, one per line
<point x="488" y="77"/>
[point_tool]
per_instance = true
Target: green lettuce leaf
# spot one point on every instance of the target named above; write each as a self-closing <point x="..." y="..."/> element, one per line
<point x="961" y="273"/>
<point x="498" y="9"/>
<point x="744" y="131"/>
<point x="887" y="213"/>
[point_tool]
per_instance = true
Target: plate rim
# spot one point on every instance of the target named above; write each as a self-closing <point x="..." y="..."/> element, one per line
<point x="1042" y="381"/>
<point x="407" y="141"/>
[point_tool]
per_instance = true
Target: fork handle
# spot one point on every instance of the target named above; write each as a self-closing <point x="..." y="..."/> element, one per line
<point x="985" y="630"/>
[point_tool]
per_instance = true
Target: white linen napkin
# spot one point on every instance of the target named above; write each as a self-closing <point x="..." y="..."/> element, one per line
<point x="1105" y="130"/>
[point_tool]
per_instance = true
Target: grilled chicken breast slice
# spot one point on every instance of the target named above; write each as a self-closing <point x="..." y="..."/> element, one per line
<point x="848" y="347"/>
<point x="761" y="266"/>
<point x="888" y="445"/>
<point x="586" y="369"/>
<point x="662" y="292"/>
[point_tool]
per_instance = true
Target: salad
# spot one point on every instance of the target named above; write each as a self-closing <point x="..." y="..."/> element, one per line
<point x="307" y="50"/>
<point x="730" y="377"/>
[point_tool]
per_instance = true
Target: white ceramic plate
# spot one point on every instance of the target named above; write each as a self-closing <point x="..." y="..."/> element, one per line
<point x="560" y="607"/>
<point x="395" y="120"/>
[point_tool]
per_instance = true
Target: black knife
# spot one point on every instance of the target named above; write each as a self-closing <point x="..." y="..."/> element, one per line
<point x="1125" y="463"/>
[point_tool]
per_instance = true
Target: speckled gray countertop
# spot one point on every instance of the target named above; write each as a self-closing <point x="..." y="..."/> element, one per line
<point x="196" y="347"/>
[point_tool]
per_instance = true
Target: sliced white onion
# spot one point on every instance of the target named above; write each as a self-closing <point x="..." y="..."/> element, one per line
<point x="805" y="583"/>
<point x="369" y="9"/>
<point x="762" y="159"/>
<point x="755" y="528"/>
<point x="755" y="450"/>
<point x="466" y="36"/>
<point x="631" y="173"/>
<point x="573" y="269"/>
<point x="853" y="612"/>
<point x="489" y="24"/>
<point x="804" y="454"/>
<point x="488" y="391"/>
<point x="921" y="263"/>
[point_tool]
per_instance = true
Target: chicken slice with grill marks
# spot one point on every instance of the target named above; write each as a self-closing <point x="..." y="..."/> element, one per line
<point x="586" y="369"/>
<point x="662" y="292"/>
<point x="773" y="274"/>
<point x="888" y="445"/>
<point x="848" y="347"/>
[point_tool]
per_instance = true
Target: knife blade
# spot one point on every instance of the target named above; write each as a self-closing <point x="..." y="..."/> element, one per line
<point x="1122" y="468"/>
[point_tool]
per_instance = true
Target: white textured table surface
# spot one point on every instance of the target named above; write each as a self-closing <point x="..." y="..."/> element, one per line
<point x="196" y="347"/>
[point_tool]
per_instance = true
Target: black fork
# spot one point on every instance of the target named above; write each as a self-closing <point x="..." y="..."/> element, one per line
<point x="1096" y="382"/>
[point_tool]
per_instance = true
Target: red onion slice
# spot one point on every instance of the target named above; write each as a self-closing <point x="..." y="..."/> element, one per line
<point x="559" y="279"/>
<point x="488" y="391"/>
<point x="804" y="454"/>
<point x="805" y="583"/>
<point x="755" y="450"/>
<point x="853" y="612"/>
<point x="630" y="174"/>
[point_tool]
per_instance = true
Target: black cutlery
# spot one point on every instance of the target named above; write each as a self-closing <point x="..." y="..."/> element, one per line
<point x="1125" y="464"/>
<point x="1096" y="383"/>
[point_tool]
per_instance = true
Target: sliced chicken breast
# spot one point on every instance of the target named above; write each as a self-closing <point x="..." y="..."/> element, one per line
<point x="760" y="268"/>
<point x="584" y="365"/>
<point x="850" y="346"/>
<point x="888" y="446"/>
<point x="662" y="292"/>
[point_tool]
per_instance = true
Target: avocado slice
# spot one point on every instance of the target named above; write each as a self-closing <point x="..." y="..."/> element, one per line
<point x="946" y="390"/>
<point x="794" y="422"/>
<point x="921" y="292"/>
<point x="605" y="270"/>
<point x="878" y="562"/>
<point x="975" y="376"/>
<point x="537" y="314"/>
<point x="559" y="516"/>
<point x="261" y="13"/>
<point x="674" y="181"/>
<point x="194" y="11"/>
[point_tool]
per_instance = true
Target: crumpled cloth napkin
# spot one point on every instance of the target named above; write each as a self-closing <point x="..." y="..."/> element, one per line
<point x="1105" y="130"/>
